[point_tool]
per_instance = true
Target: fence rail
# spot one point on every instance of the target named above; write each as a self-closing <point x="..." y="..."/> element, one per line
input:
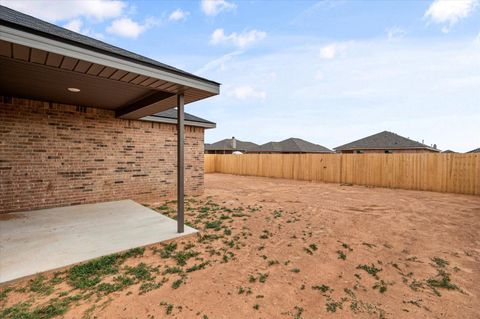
<point x="451" y="173"/>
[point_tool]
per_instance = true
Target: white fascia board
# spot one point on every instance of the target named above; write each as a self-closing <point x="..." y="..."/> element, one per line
<point x="54" y="46"/>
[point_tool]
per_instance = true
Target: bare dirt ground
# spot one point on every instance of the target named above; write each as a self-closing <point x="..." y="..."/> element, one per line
<point x="272" y="248"/>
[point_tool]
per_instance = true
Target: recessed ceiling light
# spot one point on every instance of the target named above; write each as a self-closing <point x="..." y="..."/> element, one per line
<point x="74" y="90"/>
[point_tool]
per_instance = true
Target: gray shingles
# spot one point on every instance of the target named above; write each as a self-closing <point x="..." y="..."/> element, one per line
<point x="172" y="114"/>
<point x="383" y="140"/>
<point x="226" y="145"/>
<point x="477" y="150"/>
<point x="18" y="20"/>
<point x="291" y="145"/>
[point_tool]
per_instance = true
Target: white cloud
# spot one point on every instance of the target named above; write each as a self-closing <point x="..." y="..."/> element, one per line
<point x="126" y="27"/>
<point x="333" y="50"/>
<point x="395" y="33"/>
<point x="218" y="64"/>
<point x="319" y="75"/>
<point x="74" y="25"/>
<point x="449" y="12"/>
<point x="178" y="15"/>
<point x="244" y="92"/>
<point x="214" y="7"/>
<point x="240" y="40"/>
<point x="54" y="11"/>
<point x="77" y="25"/>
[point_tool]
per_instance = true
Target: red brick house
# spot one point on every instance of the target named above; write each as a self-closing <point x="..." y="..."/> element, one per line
<point x="81" y="121"/>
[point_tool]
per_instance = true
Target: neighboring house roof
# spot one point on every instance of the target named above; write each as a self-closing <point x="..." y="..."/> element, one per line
<point x="170" y="116"/>
<point x="226" y="145"/>
<point x="477" y="150"/>
<point x="31" y="24"/>
<point x="448" y="151"/>
<point x="384" y="140"/>
<point x="291" y="145"/>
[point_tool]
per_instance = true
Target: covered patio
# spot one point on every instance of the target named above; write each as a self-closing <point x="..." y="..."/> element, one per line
<point x="38" y="241"/>
<point x="43" y="62"/>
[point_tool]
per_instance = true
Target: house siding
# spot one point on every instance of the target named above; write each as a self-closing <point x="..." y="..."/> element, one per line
<point x="58" y="155"/>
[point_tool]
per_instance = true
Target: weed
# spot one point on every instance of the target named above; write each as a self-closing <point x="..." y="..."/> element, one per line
<point x="332" y="306"/>
<point x="442" y="280"/>
<point x="273" y="262"/>
<point x="256" y="306"/>
<point x="141" y="271"/>
<point x="177" y="283"/>
<point x="197" y="267"/>
<point x="168" y="250"/>
<point x="182" y="256"/>
<point x="381" y="286"/>
<point x="172" y="270"/>
<point x="252" y="279"/>
<point x="216" y="225"/>
<point x="322" y="288"/>
<point x="341" y="255"/>
<point x="308" y="251"/>
<point x="39" y="286"/>
<point x="262" y="277"/>
<point x="295" y="270"/>
<point x="313" y="247"/>
<point x="440" y="262"/>
<point x="372" y="270"/>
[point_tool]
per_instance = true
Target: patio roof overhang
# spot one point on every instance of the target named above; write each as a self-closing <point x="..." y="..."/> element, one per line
<point x="40" y="67"/>
<point x="39" y="60"/>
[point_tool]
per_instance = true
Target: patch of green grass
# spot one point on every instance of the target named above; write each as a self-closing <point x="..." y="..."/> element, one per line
<point x="262" y="277"/>
<point x="332" y="306"/>
<point x="442" y="280"/>
<point x="341" y="255"/>
<point x="440" y="262"/>
<point x="197" y="267"/>
<point x="295" y="270"/>
<point x="216" y="225"/>
<point x="372" y="270"/>
<point x="149" y="286"/>
<point x="55" y="307"/>
<point x="177" y="283"/>
<point x="141" y="271"/>
<point x="252" y="279"/>
<point x="322" y="288"/>
<point x="40" y="285"/>
<point x="272" y="262"/>
<point x="381" y="286"/>
<point x="172" y="270"/>
<point x="181" y="257"/>
<point x="168" y="250"/>
<point x="4" y="293"/>
<point x="298" y="312"/>
<point x="89" y="274"/>
<point x="313" y="247"/>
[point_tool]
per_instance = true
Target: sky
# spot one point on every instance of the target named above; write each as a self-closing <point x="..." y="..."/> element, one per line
<point x="329" y="72"/>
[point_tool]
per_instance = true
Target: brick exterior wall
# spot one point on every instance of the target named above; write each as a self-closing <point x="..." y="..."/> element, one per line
<point x="57" y="155"/>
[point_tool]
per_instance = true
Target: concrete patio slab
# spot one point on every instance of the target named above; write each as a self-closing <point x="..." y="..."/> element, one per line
<point x="42" y="240"/>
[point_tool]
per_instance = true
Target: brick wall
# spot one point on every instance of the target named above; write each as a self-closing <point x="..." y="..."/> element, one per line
<point x="56" y="155"/>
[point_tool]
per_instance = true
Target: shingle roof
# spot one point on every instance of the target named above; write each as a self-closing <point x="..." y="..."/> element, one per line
<point x="384" y="140"/>
<point x="477" y="150"/>
<point x="172" y="114"/>
<point x="226" y="145"/>
<point x="291" y="145"/>
<point x="31" y="24"/>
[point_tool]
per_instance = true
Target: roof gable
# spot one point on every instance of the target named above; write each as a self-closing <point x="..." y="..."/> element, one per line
<point x="384" y="140"/>
<point x="226" y="145"/>
<point x="292" y="145"/>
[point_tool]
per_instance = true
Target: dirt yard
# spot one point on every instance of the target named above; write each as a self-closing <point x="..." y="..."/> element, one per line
<point x="282" y="249"/>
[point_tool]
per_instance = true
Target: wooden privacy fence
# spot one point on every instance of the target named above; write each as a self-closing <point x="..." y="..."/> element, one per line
<point x="452" y="173"/>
